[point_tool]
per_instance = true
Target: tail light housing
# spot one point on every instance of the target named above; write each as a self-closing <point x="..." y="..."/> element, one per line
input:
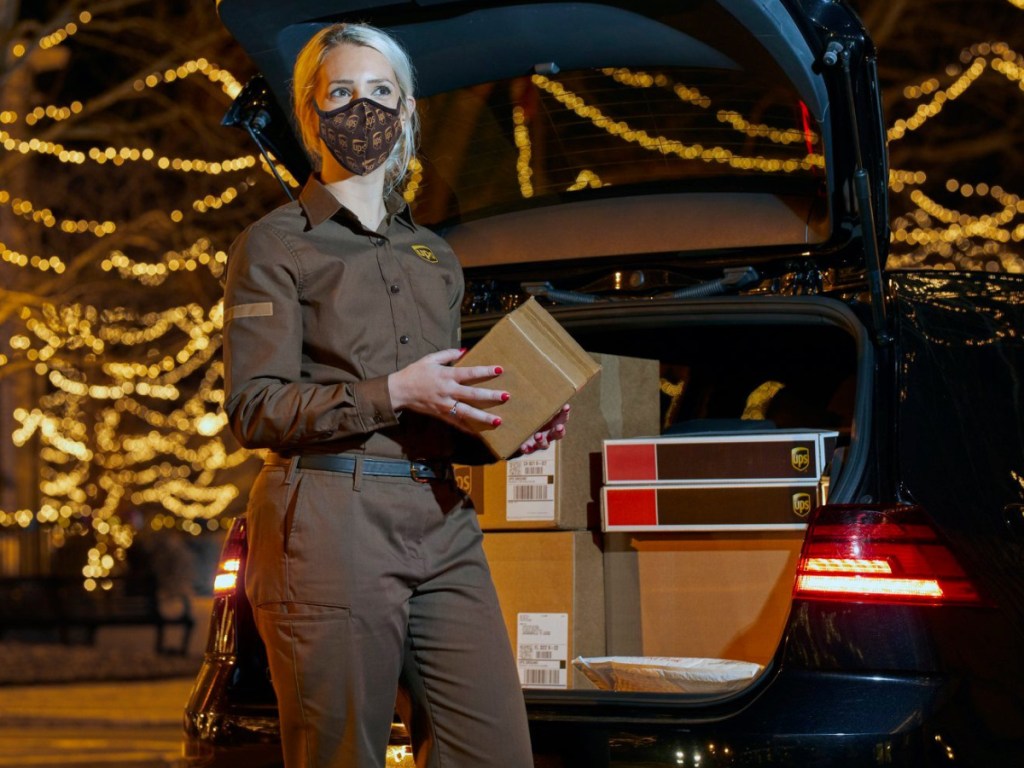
<point x="229" y="568"/>
<point x="883" y="554"/>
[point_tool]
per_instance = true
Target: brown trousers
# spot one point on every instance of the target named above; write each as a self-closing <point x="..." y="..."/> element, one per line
<point x="360" y="584"/>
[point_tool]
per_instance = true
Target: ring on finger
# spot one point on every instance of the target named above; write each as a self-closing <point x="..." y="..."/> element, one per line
<point x="453" y="410"/>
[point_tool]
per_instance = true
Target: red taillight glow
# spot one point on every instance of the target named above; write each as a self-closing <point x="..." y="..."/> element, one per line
<point x="226" y="580"/>
<point x="879" y="554"/>
<point x="227" y="576"/>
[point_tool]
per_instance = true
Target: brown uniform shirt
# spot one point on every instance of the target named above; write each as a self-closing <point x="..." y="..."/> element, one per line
<point x="318" y="310"/>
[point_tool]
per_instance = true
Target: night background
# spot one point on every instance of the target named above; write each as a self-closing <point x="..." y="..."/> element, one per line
<point x="120" y="193"/>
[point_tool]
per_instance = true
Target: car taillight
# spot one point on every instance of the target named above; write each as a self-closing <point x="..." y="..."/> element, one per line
<point x="879" y="554"/>
<point x="229" y="567"/>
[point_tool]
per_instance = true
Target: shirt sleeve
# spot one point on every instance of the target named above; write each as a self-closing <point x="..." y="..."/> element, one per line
<point x="267" y="403"/>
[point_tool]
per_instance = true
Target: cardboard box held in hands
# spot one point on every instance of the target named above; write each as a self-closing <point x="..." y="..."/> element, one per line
<point x="542" y="368"/>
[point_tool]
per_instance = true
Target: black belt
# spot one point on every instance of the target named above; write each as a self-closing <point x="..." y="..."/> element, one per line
<point x="346" y="464"/>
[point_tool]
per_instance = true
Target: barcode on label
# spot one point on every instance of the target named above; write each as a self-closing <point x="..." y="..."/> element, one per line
<point x="531" y="492"/>
<point x="541" y="677"/>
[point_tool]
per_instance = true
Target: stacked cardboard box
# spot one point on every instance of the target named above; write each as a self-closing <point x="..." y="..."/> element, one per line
<point x="702" y="536"/>
<point x="750" y="481"/>
<point x="559" y="489"/>
<point x="551" y="588"/>
<point x="716" y="595"/>
<point x="540" y="515"/>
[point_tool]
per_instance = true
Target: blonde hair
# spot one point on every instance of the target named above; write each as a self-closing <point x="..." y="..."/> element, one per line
<point x="304" y="77"/>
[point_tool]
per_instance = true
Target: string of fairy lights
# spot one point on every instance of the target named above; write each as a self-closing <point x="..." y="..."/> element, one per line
<point x="129" y="430"/>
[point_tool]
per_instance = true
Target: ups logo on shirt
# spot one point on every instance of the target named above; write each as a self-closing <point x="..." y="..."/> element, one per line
<point x="425" y="253"/>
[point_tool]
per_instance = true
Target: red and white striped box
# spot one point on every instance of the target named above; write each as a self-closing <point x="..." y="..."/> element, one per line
<point x="748" y="457"/>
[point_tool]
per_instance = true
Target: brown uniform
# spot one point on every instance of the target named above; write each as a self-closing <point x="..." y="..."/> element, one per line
<point x="357" y="579"/>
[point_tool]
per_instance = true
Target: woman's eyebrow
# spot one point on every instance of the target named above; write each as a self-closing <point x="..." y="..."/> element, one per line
<point x="346" y="81"/>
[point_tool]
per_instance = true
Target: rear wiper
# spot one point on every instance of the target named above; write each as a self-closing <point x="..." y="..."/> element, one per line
<point x="733" y="279"/>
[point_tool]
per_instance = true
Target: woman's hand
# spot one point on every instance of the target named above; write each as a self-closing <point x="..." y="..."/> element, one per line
<point x="543" y="437"/>
<point x="433" y="386"/>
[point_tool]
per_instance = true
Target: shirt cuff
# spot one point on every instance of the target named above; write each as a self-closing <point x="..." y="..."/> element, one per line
<point x="373" y="404"/>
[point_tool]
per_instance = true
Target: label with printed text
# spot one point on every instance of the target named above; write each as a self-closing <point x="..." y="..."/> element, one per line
<point x="542" y="650"/>
<point x="530" y="487"/>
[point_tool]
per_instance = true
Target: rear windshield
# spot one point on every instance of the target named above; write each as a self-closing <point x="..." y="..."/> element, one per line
<point x="536" y="139"/>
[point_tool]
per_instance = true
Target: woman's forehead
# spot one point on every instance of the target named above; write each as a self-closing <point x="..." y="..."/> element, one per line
<point x="357" y="63"/>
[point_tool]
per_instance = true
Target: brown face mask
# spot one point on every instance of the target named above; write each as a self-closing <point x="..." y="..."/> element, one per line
<point x="361" y="134"/>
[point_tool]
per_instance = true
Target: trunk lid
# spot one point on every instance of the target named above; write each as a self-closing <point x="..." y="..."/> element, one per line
<point x="623" y="150"/>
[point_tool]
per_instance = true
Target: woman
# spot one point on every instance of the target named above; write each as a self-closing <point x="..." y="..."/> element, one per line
<point x="365" y="562"/>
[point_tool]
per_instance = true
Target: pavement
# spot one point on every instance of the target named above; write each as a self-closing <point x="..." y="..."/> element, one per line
<point x="116" y="703"/>
<point x="96" y="705"/>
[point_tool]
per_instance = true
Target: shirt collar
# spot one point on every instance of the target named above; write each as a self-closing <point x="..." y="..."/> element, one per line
<point x="319" y="205"/>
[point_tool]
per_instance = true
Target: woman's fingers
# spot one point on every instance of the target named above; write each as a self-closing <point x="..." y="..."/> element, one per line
<point x="463" y="413"/>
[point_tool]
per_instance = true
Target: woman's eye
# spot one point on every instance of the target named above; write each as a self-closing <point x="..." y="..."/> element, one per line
<point x="383" y="90"/>
<point x="339" y="93"/>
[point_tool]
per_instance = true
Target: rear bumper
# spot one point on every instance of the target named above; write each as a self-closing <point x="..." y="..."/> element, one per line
<point x="797" y="718"/>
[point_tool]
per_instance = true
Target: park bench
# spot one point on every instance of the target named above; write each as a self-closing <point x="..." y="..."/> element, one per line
<point x="63" y="605"/>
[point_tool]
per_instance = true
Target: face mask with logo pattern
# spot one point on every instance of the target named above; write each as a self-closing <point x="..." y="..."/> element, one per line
<point x="361" y="134"/>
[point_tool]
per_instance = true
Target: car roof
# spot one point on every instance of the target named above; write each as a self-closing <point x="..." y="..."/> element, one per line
<point x="501" y="39"/>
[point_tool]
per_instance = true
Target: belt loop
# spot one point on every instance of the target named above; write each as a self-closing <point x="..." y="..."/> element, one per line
<point x="293" y="465"/>
<point x="357" y="474"/>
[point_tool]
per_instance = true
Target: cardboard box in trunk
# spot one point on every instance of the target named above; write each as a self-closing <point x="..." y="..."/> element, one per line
<point x="551" y="588"/>
<point x="560" y="488"/>
<point x="723" y="596"/>
<point x="710" y="507"/>
<point x="543" y="368"/>
<point x="774" y="455"/>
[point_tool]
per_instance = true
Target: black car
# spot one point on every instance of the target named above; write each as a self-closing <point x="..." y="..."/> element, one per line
<point x="704" y="184"/>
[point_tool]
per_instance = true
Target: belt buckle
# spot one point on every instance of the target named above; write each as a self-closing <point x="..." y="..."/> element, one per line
<point x="415" y="468"/>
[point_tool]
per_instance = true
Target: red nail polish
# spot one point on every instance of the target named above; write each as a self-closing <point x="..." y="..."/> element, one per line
<point x="497" y="370"/>
<point x="496" y="422"/>
<point x="462" y="351"/>
<point x="505" y="396"/>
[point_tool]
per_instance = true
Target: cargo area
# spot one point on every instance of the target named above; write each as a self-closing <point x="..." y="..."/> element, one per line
<point x="655" y="547"/>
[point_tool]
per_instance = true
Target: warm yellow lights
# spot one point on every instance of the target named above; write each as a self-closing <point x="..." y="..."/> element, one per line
<point x="414" y="181"/>
<point x="522" y="138"/>
<point x="584" y="179"/>
<point x="668" y="146"/>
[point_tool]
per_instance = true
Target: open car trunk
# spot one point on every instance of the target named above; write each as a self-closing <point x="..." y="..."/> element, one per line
<point x="694" y="599"/>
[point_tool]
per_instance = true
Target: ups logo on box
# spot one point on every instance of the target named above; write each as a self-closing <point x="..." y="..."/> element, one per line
<point x="800" y="458"/>
<point x="801" y="504"/>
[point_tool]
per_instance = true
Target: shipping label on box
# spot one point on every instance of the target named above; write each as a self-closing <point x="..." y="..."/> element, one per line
<point x="732" y="506"/>
<point x="542" y="650"/>
<point x="747" y="457"/>
<point x="530" y="487"/>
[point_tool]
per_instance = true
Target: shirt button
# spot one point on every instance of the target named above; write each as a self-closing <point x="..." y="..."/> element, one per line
<point x="377" y="418"/>
<point x="378" y="241"/>
<point x="395" y="288"/>
<point x="404" y="339"/>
